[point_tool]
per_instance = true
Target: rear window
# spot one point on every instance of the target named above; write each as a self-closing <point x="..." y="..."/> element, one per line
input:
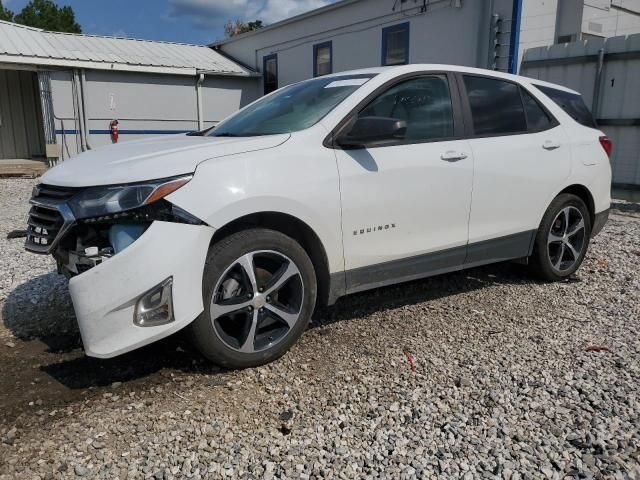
<point x="571" y="103"/>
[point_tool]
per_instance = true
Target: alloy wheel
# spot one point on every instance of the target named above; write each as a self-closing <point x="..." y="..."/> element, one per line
<point x="257" y="301"/>
<point x="566" y="240"/>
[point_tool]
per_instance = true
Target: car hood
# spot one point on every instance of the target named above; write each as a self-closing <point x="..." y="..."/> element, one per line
<point x="148" y="159"/>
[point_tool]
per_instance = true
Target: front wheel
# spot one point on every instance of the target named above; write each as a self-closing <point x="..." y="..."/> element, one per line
<point x="259" y="291"/>
<point x="562" y="238"/>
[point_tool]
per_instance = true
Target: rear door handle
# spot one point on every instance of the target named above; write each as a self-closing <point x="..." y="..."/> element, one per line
<point x="550" y="145"/>
<point x="453" y="156"/>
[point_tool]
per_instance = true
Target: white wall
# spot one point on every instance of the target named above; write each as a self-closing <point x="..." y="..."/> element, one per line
<point x="602" y="18"/>
<point x="537" y="25"/>
<point x="144" y="104"/>
<point x="442" y="34"/>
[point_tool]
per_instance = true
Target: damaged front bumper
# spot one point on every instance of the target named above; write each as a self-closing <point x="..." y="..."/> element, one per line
<point x="105" y="297"/>
<point x="135" y="276"/>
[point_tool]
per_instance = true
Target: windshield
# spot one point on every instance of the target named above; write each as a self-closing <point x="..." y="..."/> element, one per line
<point x="291" y="108"/>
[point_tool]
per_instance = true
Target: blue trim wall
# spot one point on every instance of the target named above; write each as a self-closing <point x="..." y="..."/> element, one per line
<point x="318" y="46"/>
<point x="124" y="132"/>
<point x="392" y="29"/>
<point x="514" y="42"/>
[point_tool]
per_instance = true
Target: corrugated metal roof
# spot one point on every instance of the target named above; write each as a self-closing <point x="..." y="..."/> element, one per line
<point x="33" y="46"/>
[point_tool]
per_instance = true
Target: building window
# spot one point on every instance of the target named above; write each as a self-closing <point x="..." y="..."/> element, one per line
<point x="322" y="59"/>
<point x="270" y="73"/>
<point x="395" y="44"/>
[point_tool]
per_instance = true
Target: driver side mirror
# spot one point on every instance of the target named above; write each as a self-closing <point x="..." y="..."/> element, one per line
<point x="367" y="130"/>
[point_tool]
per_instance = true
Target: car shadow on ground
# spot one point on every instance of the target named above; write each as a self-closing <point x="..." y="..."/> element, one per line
<point x="40" y="311"/>
<point x="424" y="290"/>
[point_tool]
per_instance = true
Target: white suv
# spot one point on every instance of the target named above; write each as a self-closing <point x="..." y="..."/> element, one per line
<point x="323" y="188"/>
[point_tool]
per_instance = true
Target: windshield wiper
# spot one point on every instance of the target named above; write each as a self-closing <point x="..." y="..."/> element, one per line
<point x="200" y="133"/>
<point x="247" y="134"/>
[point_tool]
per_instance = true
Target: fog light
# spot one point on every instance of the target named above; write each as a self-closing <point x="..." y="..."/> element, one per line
<point x="156" y="306"/>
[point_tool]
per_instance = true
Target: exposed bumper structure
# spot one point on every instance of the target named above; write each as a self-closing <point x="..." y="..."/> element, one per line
<point x="105" y="297"/>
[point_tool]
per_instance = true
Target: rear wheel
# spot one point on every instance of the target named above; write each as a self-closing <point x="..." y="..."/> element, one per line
<point x="562" y="238"/>
<point x="259" y="290"/>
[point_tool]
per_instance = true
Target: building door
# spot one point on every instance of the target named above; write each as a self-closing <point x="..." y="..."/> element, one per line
<point x="21" y="131"/>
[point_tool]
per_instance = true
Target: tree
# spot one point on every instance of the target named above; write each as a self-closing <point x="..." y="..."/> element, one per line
<point x="5" y="13"/>
<point x="236" y="27"/>
<point x="47" y="15"/>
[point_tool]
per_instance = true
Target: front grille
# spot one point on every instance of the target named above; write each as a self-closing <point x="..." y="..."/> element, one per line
<point x="43" y="227"/>
<point x="49" y="217"/>
<point x="52" y="193"/>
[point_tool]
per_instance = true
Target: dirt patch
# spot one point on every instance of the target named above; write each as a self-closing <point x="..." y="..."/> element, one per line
<point x="41" y="375"/>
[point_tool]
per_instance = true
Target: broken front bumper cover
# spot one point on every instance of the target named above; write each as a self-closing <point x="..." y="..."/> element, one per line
<point x="105" y="297"/>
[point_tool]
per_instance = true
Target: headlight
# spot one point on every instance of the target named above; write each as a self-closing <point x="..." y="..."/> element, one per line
<point x="98" y="201"/>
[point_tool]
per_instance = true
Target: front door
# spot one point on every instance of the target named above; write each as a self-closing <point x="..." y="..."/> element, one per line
<point x="405" y="203"/>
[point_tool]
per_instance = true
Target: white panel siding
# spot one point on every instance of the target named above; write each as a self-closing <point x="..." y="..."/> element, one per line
<point x="442" y="34"/>
<point x="144" y="104"/>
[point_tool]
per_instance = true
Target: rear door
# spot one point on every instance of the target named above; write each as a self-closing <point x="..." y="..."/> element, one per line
<point x="405" y="203"/>
<point x="521" y="159"/>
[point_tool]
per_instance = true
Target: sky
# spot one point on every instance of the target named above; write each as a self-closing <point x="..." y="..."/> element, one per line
<point x="187" y="21"/>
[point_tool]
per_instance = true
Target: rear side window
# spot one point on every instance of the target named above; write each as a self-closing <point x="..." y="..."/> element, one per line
<point x="571" y="103"/>
<point x="537" y="118"/>
<point x="496" y="106"/>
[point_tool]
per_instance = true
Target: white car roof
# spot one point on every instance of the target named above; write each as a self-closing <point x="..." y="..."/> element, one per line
<point x="418" y="67"/>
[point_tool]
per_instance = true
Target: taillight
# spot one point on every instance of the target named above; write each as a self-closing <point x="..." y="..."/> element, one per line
<point x="607" y="144"/>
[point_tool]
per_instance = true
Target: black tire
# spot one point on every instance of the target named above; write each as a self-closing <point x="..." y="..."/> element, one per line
<point x="546" y="257"/>
<point x="223" y="256"/>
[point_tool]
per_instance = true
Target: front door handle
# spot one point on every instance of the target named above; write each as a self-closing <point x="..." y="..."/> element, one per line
<point x="453" y="156"/>
<point x="550" y="145"/>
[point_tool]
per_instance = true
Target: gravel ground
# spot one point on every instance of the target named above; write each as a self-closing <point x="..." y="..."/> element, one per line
<point x="479" y="374"/>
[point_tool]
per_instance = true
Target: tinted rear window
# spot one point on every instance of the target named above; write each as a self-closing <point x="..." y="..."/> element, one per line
<point x="496" y="106"/>
<point x="571" y="103"/>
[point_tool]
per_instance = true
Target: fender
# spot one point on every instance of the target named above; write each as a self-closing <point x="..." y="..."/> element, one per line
<point x="246" y="184"/>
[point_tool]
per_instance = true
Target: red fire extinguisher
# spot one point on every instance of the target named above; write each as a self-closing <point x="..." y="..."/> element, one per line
<point x="113" y="126"/>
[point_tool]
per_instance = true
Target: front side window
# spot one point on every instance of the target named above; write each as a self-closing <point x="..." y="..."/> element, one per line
<point x="496" y="106"/>
<point x="270" y="73"/>
<point x="291" y="108"/>
<point x="395" y="45"/>
<point x="571" y="103"/>
<point x="322" y="59"/>
<point x="424" y="103"/>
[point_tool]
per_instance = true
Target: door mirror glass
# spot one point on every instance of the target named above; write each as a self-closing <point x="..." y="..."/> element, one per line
<point x="373" y="129"/>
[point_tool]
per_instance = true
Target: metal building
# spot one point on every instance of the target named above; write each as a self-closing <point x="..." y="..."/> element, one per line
<point x="60" y="92"/>
<point x="549" y="22"/>
<point x="350" y="34"/>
